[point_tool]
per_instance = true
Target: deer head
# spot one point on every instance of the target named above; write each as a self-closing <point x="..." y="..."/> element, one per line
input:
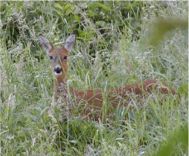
<point x="58" y="56"/>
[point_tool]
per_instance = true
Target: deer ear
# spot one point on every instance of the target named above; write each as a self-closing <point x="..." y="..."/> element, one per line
<point x="69" y="42"/>
<point x="47" y="46"/>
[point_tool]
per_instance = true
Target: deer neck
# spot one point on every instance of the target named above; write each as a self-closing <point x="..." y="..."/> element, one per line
<point x="60" y="85"/>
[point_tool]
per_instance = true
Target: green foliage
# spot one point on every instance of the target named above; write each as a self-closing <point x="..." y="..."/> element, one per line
<point x="162" y="26"/>
<point x="109" y="34"/>
<point x="179" y="137"/>
<point x="91" y="21"/>
<point x="72" y="133"/>
<point x="183" y="89"/>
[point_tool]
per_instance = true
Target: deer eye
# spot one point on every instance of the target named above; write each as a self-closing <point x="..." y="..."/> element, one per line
<point x="65" y="57"/>
<point x="50" y="57"/>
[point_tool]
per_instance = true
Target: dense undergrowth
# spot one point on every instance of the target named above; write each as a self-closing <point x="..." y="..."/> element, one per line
<point x="110" y="51"/>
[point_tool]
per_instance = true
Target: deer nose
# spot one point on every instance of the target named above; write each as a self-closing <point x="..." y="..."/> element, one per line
<point x="58" y="69"/>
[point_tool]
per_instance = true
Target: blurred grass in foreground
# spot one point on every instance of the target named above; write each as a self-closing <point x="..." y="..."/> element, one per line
<point x="179" y="137"/>
<point x="159" y="30"/>
<point x="160" y="27"/>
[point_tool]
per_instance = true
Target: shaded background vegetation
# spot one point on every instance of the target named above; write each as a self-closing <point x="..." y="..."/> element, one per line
<point x="109" y="52"/>
<point x="97" y="24"/>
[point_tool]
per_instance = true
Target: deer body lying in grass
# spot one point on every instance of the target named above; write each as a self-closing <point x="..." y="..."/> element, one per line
<point x="93" y="99"/>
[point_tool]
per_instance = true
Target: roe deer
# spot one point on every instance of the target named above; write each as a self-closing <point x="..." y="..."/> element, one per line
<point x="93" y="98"/>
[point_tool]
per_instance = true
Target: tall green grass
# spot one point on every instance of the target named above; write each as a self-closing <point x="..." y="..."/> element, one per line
<point x="26" y="81"/>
